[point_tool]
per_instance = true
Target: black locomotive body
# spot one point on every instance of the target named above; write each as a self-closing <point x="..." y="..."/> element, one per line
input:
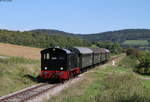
<point x="60" y="63"/>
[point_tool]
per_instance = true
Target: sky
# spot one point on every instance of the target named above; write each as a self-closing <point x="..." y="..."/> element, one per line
<point x="75" y="16"/>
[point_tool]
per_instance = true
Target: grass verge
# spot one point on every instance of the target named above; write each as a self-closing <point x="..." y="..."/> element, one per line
<point x="15" y="72"/>
<point x="107" y="84"/>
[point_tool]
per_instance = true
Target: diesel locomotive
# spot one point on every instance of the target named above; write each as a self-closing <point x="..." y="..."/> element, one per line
<point x="62" y="64"/>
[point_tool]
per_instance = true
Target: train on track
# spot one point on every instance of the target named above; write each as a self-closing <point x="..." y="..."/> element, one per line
<point x="63" y="64"/>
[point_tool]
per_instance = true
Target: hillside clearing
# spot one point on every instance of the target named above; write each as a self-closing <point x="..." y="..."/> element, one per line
<point x="135" y="42"/>
<point x="19" y="51"/>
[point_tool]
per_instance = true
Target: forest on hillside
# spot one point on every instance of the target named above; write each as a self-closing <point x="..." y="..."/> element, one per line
<point x="137" y="38"/>
<point x="119" y="36"/>
<point x="113" y="36"/>
<point x="41" y="40"/>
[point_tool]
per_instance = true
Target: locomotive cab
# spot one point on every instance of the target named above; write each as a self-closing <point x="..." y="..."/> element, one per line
<point x="54" y="63"/>
<point x="54" y="59"/>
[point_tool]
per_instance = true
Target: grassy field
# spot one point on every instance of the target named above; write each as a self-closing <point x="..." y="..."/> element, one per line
<point x="19" y="51"/>
<point x="20" y="71"/>
<point x="135" y="42"/>
<point x="16" y="73"/>
<point x="108" y="84"/>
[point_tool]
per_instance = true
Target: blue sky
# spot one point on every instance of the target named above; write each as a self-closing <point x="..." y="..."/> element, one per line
<point x="75" y="16"/>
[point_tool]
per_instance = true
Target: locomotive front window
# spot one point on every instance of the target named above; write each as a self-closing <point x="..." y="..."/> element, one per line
<point x="57" y="56"/>
<point x="53" y="56"/>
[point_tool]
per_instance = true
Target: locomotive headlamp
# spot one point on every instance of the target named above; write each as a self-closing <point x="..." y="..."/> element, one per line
<point x="45" y="68"/>
<point x="61" y="68"/>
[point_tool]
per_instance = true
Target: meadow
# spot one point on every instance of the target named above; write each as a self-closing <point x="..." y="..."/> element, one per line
<point x="109" y="83"/>
<point x="19" y="67"/>
<point x="17" y="73"/>
<point x="135" y="42"/>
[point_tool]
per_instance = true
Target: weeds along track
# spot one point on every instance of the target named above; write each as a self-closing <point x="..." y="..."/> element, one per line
<point x="28" y="94"/>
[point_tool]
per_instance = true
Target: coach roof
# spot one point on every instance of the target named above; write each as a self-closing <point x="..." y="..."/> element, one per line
<point x="84" y="50"/>
<point x="95" y="50"/>
<point x="103" y="50"/>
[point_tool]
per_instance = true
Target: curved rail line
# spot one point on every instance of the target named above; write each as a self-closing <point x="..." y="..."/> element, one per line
<point x="28" y="93"/>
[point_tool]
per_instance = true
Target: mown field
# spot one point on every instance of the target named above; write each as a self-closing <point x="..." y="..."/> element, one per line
<point x="109" y="84"/>
<point x="19" y="51"/>
<point x="136" y="42"/>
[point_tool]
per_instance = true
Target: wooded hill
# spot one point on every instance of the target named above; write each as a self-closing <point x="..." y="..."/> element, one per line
<point x="39" y="39"/>
<point x="52" y="32"/>
<point x="113" y="36"/>
<point x="137" y="38"/>
<point x="119" y="36"/>
<point x="48" y="38"/>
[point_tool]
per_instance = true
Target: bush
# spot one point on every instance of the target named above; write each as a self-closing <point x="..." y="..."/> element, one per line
<point x="142" y="70"/>
<point x="144" y="60"/>
<point x="133" y="52"/>
<point x="114" y="48"/>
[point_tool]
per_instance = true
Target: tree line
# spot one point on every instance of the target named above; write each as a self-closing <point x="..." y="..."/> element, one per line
<point x="50" y="39"/>
<point x="119" y="36"/>
<point x="41" y="40"/>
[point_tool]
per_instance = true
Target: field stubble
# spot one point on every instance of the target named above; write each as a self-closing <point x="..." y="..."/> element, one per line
<point x="19" y="51"/>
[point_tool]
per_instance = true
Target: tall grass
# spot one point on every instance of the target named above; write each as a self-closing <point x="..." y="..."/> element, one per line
<point x="109" y="84"/>
<point x="18" y="60"/>
<point x="13" y="72"/>
<point x="128" y="62"/>
<point x="122" y="88"/>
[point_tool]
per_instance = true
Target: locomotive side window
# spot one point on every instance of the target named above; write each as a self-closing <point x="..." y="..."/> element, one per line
<point x="46" y="56"/>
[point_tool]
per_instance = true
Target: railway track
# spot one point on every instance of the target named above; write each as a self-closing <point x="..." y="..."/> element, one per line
<point x="32" y="92"/>
<point x="29" y="93"/>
